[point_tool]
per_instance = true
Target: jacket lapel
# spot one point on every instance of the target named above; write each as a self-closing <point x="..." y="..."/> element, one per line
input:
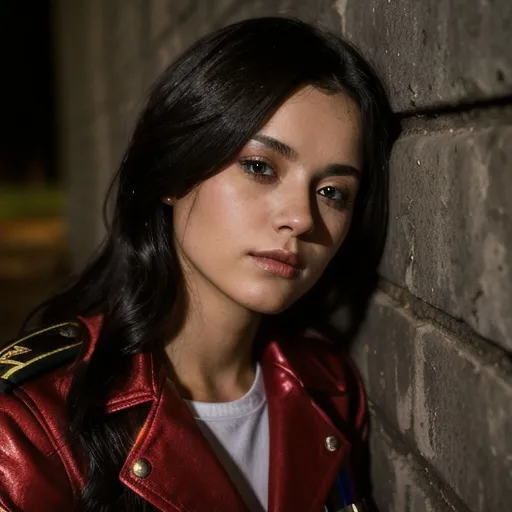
<point x="306" y="449"/>
<point x="184" y="473"/>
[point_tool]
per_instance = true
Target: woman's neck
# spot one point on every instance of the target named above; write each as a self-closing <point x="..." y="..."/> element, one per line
<point x="211" y="349"/>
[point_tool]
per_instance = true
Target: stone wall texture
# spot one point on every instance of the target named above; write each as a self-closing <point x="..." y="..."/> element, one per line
<point x="435" y="350"/>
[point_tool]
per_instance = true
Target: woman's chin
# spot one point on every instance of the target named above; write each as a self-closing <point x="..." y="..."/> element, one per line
<point x="269" y="305"/>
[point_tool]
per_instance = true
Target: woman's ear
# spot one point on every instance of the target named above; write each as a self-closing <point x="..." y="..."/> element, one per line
<point x="167" y="200"/>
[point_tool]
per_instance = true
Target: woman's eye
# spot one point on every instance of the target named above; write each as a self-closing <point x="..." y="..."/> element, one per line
<point x="257" y="168"/>
<point x="333" y="193"/>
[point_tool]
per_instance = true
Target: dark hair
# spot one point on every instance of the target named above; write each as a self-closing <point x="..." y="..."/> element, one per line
<point x="199" y="114"/>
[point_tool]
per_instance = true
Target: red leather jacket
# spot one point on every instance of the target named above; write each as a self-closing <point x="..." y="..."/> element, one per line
<point x="316" y="421"/>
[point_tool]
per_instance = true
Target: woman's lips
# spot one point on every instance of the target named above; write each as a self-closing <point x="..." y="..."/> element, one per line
<point x="274" y="266"/>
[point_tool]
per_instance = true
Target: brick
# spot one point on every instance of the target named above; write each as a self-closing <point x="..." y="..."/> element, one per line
<point x="435" y="52"/>
<point x="445" y="398"/>
<point x="389" y="370"/>
<point x="450" y="234"/>
<point x="400" y="481"/>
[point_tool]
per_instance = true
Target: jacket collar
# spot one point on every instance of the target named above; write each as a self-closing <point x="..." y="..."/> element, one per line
<point x="186" y="474"/>
<point x="291" y="356"/>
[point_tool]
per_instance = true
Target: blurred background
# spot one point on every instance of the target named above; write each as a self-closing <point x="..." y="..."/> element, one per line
<point x="34" y="256"/>
<point x="435" y="349"/>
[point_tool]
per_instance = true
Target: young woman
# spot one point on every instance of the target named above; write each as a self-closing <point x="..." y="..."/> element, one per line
<point x="191" y="366"/>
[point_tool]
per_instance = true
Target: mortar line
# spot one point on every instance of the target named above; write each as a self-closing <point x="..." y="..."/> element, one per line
<point x="488" y="350"/>
<point x="458" y="108"/>
<point x="404" y="446"/>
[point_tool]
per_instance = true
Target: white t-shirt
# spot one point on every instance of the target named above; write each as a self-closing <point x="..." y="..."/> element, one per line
<point x="238" y="433"/>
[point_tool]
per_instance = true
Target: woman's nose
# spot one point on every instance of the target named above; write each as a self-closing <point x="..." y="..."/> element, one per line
<point x="293" y="212"/>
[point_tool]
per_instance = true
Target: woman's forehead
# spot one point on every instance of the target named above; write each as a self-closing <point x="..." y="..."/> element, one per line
<point x="316" y="124"/>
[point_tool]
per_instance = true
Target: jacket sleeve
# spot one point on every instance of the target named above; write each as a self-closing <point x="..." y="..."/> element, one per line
<point x="32" y="475"/>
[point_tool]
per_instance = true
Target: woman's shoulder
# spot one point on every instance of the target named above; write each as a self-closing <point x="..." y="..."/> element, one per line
<point x="36" y="372"/>
<point x="35" y="376"/>
<point x="326" y="366"/>
<point x="36" y="357"/>
<point x="317" y="354"/>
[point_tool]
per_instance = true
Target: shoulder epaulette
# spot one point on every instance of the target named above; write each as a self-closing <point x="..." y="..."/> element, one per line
<point x="38" y="352"/>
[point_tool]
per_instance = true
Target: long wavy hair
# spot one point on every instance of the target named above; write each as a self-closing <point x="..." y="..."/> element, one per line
<point x="198" y="116"/>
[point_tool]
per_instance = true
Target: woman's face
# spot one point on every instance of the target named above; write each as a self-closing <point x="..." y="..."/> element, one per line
<point x="288" y="196"/>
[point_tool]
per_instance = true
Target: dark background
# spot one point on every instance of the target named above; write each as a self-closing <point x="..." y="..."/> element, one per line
<point x="27" y="138"/>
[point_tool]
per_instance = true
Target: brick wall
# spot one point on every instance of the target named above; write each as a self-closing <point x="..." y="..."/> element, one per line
<point x="435" y="349"/>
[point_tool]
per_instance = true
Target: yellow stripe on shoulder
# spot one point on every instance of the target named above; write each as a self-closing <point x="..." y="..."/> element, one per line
<point x="38" y="352"/>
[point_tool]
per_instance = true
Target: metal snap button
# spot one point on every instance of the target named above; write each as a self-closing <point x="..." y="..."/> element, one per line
<point x="141" y="468"/>
<point x="69" y="331"/>
<point x="332" y="443"/>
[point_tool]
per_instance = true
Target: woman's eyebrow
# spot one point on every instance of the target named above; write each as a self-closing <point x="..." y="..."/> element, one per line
<point x="292" y="154"/>
<point x="287" y="151"/>
<point x="339" y="170"/>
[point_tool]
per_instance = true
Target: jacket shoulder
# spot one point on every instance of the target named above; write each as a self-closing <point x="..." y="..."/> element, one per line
<point x="322" y="363"/>
<point x="34" y="474"/>
<point x="34" y="459"/>
<point x="327" y="368"/>
<point x="39" y="352"/>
